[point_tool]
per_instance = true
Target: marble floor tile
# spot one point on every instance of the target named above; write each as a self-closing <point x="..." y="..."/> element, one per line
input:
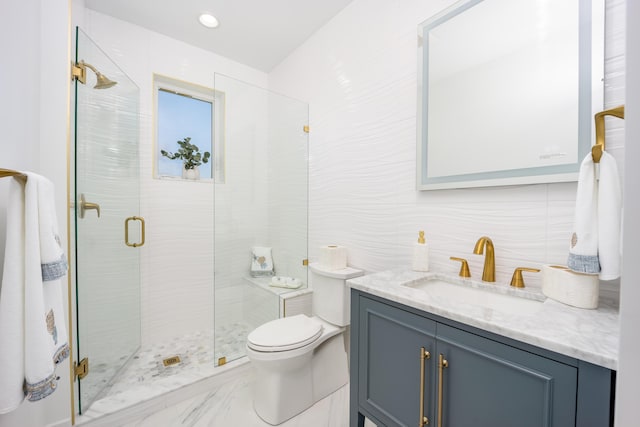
<point x="231" y="405"/>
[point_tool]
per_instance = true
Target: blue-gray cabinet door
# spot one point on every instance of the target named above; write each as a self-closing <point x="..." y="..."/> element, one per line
<point x="487" y="383"/>
<point x="389" y="369"/>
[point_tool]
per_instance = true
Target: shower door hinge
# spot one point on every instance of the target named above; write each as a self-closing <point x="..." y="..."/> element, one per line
<point x="79" y="72"/>
<point x="305" y="262"/>
<point x="305" y="128"/>
<point x="81" y="370"/>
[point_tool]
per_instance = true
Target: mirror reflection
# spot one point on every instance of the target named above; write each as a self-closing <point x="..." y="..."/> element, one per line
<point x="507" y="91"/>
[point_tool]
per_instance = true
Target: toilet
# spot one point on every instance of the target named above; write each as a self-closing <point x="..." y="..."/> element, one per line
<point x="299" y="360"/>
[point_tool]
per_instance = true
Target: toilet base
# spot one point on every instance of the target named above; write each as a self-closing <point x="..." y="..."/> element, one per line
<point x="286" y="387"/>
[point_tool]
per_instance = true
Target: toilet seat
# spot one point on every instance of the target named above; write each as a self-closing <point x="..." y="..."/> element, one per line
<point x="287" y="333"/>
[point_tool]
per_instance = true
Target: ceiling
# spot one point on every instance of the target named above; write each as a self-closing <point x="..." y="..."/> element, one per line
<point x="258" y="33"/>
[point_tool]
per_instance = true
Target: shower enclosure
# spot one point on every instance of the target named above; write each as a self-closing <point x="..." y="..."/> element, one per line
<point x="257" y="198"/>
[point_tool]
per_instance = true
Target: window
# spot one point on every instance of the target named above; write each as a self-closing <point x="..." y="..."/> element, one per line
<point x="185" y="110"/>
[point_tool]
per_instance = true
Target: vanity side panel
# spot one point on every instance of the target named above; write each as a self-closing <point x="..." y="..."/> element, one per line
<point x="596" y="390"/>
<point x="356" y="419"/>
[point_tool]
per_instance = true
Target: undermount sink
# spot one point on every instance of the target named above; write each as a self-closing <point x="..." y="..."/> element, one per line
<point x="480" y="295"/>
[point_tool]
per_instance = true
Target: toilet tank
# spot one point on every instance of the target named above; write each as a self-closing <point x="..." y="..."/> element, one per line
<point x="331" y="295"/>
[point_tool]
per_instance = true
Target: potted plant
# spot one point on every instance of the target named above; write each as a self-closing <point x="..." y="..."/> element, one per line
<point x="191" y="158"/>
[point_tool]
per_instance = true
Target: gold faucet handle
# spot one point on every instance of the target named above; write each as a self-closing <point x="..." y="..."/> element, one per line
<point x="517" y="281"/>
<point x="464" y="267"/>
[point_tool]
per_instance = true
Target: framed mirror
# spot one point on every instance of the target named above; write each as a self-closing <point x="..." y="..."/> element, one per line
<point x="507" y="90"/>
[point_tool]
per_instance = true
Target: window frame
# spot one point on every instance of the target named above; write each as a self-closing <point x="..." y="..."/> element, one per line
<point x="218" y="139"/>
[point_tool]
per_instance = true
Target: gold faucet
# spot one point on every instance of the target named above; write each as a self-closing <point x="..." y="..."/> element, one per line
<point x="489" y="271"/>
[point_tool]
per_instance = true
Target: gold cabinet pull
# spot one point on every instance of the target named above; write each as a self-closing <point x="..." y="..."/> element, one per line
<point x="126" y="231"/>
<point x="85" y="206"/>
<point x="442" y="363"/>
<point x="424" y="354"/>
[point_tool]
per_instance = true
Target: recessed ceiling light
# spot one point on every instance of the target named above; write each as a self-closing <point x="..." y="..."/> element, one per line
<point x="208" y="20"/>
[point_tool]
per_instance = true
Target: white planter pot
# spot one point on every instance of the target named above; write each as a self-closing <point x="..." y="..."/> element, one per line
<point x="191" y="173"/>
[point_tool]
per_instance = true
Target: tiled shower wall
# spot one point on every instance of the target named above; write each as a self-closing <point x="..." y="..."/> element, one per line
<point x="177" y="259"/>
<point x="358" y="74"/>
<point x="255" y="206"/>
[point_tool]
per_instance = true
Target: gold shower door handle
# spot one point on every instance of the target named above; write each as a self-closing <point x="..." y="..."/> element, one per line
<point x="126" y="231"/>
<point x="424" y="354"/>
<point x="442" y="363"/>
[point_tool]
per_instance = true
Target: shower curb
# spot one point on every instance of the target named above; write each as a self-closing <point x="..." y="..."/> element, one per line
<point x="127" y="414"/>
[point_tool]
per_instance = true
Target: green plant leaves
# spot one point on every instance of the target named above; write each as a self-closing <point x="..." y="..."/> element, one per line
<point x="188" y="153"/>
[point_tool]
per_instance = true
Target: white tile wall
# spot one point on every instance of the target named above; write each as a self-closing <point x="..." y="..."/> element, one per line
<point x="358" y="74"/>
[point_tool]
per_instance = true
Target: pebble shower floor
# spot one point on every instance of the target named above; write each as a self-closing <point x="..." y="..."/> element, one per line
<point x="146" y="369"/>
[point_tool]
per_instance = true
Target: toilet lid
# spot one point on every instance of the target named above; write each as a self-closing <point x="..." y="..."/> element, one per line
<point x="285" y="334"/>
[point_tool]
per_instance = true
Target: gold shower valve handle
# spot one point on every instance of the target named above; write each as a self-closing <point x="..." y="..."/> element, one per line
<point x="517" y="281"/>
<point x="85" y="206"/>
<point x="464" y="267"/>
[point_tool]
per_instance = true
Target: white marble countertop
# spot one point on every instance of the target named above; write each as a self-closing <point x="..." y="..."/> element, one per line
<point x="589" y="335"/>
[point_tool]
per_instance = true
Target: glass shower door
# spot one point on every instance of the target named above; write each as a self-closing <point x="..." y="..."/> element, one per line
<point x="260" y="208"/>
<point x="108" y="231"/>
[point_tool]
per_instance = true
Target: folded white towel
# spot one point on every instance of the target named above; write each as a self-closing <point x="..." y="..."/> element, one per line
<point x="583" y="250"/>
<point x="609" y="218"/>
<point x="32" y="321"/>
<point x="261" y="261"/>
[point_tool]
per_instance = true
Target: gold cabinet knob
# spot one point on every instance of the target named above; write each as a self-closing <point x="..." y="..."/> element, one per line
<point x="517" y="281"/>
<point x="464" y="267"/>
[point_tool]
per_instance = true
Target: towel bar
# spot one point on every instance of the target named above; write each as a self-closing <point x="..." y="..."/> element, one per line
<point x="598" y="149"/>
<point x="10" y="172"/>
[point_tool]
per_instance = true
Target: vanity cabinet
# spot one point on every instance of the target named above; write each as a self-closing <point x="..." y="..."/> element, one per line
<point x="411" y="368"/>
<point x="390" y="363"/>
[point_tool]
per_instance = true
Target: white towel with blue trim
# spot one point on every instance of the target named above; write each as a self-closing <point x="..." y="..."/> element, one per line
<point x="583" y="250"/>
<point x="33" y="336"/>
<point x="595" y="242"/>
<point x="261" y="261"/>
<point x="609" y="218"/>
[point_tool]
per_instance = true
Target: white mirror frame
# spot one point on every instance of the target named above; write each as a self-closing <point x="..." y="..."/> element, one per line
<point x="591" y="102"/>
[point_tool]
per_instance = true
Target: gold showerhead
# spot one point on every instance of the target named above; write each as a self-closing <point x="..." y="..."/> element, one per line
<point x="102" y="81"/>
